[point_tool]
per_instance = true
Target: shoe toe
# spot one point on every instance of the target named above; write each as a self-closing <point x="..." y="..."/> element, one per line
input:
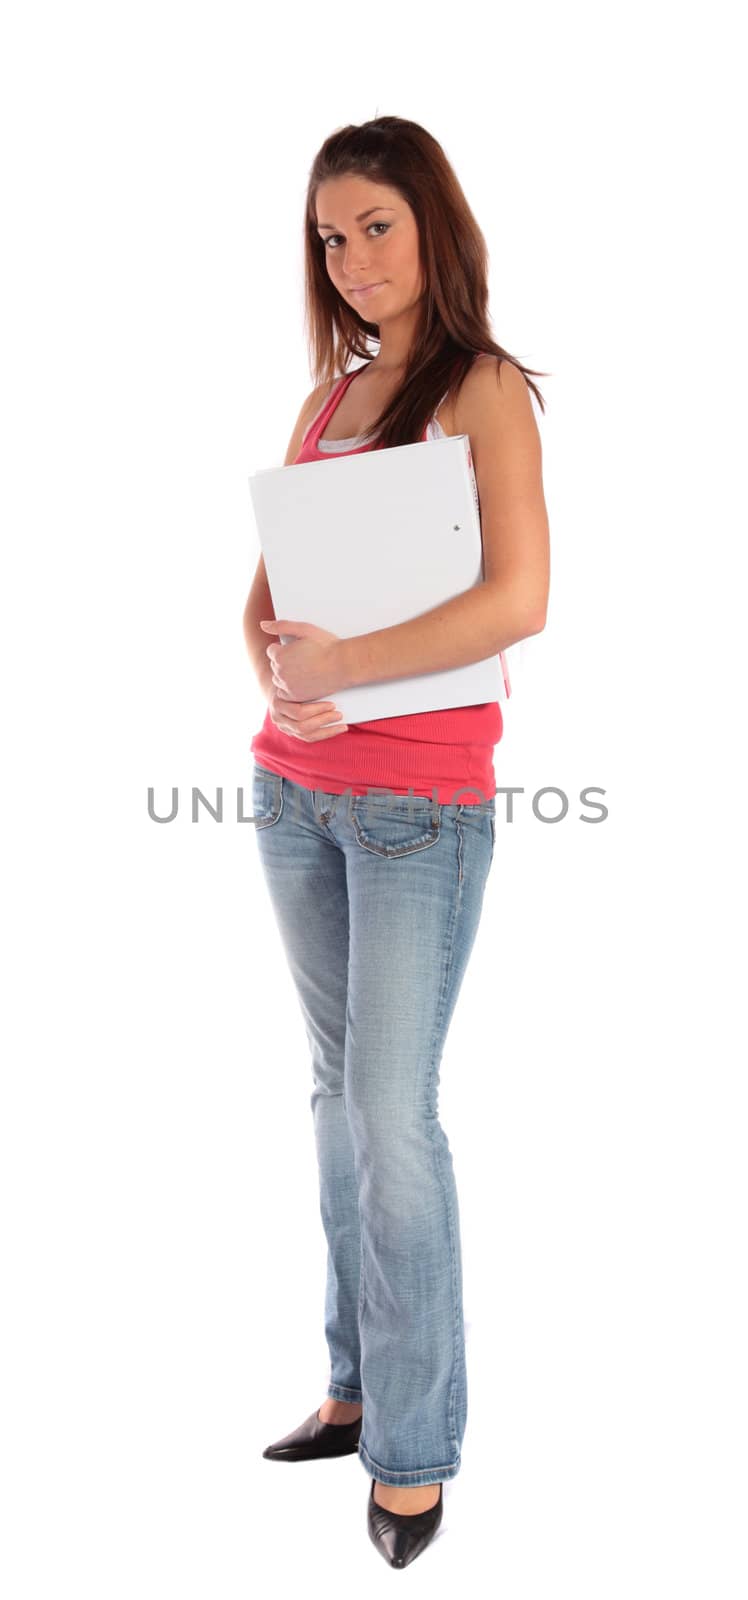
<point x="398" y="1537"/>
<point x="298" y="1437"/>
<point x="314" y="1438"/>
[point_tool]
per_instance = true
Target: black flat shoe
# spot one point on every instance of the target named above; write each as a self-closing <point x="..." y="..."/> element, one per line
<point x="314" y="1438"/>
<point x="398" y="1536"/>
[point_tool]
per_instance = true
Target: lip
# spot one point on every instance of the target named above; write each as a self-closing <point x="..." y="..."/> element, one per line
<point x="367" y="289"/>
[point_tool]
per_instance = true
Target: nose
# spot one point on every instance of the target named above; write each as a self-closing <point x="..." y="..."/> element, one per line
<point x="355" y="264"/>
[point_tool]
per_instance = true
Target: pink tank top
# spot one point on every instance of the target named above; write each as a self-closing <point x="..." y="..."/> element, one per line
<point x="444" y="753"/>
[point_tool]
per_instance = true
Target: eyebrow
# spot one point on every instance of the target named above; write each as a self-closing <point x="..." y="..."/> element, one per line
<point x="360" y="217"/>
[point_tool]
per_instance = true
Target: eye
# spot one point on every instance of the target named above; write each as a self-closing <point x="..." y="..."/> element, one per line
<point x="327" y="242"/>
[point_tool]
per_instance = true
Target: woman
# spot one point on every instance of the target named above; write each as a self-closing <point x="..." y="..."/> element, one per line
<point x="378" y="896"/>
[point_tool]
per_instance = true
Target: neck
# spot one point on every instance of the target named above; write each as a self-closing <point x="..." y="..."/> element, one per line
<point x="396" y="335"/>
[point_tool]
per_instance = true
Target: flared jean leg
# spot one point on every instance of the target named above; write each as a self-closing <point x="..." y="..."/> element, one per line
<point x="413" y="921"/>
<point x="305" y="873"/>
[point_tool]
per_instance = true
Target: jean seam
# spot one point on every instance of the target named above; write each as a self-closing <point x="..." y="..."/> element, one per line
<point x="440" y="1174"/>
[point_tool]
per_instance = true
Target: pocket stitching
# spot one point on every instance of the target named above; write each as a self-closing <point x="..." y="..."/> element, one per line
<point x="368" y="841"/>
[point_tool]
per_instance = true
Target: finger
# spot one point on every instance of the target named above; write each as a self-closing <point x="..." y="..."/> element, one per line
<point x="312" y="728"/>
<point x="300" y="710"/>
<point x="321" y="719"/>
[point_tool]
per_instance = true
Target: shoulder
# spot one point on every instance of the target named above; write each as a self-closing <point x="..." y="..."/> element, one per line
<point x="318" y="396"/>
<point x="316" y="399"/>
<point x="494" y="407"/>
<point x="495" y="383"/>
<point x="493" y="392"/>
<point x="310" y="408"/>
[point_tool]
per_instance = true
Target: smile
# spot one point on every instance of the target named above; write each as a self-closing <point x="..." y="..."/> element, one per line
<point x="370" y="288"/>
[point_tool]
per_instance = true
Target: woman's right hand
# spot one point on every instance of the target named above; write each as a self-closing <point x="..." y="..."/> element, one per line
<point x="304" y="719"/>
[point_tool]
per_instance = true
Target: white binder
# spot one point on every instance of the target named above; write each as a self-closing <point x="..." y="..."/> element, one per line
<point x="361" y="542"/>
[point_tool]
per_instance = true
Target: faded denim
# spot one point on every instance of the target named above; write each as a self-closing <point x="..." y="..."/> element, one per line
<point x="378" y="898"/>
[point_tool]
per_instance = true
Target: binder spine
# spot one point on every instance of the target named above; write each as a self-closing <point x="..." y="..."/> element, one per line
<point x="474" y="485"/>
<point x="471" y="475"/>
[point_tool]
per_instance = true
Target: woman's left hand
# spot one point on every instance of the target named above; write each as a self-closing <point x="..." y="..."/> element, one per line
<point x="308" y="667"/>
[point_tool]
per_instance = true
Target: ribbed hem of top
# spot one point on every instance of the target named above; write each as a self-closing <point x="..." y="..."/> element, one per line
<point x="362" y="759"/>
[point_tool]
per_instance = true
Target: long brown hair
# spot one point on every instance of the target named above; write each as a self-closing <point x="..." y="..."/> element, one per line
<point x="454" y="327"/>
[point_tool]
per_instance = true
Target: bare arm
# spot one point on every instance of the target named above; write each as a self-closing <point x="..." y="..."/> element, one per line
<point x="259" y="604"/>
<point x="511" y="602"/>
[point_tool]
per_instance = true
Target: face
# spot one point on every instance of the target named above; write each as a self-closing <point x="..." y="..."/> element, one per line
<point x="379" y="248"/>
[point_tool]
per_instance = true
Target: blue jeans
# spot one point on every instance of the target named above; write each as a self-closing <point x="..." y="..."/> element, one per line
<point x="378" y="898"/>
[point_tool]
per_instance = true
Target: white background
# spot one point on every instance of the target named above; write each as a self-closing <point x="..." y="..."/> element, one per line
<point x="162" y="1252"/>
